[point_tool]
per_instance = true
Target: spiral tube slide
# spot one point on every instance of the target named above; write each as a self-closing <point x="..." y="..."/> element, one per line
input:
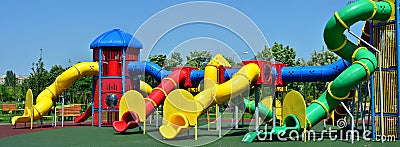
<point x="62" y="82"/>
<point x="363" y="61"/>
<point x="181" y="109"/>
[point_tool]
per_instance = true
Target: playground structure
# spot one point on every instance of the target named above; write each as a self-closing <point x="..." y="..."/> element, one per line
<point x="121" y="100"/>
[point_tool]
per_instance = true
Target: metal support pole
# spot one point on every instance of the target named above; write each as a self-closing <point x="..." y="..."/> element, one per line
<point x="242" y="121"/>
<point x="236" y="114"/>
<point x="397" y="9"/>
<point x="157" y="118"/>
<point x="370" y="107"/>
<point x="93" y="98"/>
<point x="359" y="104"/>
<point x="380" y="82"/>
<point x="62" y="109"/>
<point x="256" y="112"/>
<point x="273" y="112"/>
<point x="55" y="114"/>
<point x="352" y="121"/>
<point x="100" y="86"/>
<point x="363" y="111"/>
<point x="219" y="123"/>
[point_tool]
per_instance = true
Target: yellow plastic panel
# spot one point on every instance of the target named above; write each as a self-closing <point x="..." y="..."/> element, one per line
<point x="28" y="99"/>
<point x="219" y="60"/>
<point x="294" y="104"/>
<point x="182" y="101"/>
<point x="133" y="101"/>
<point x="267" y="101"/>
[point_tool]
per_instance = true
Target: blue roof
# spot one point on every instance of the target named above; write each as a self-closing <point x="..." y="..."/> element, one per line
<point x="116" y="37"/>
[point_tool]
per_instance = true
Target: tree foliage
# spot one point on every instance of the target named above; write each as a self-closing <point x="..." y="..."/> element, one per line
<point x="198" y="59"/>
<point x="174" y="61"/>
<point x="9" y="90"/>
<point x="232" y="62"/>
<point x="322" y="58"/>
<point x="38" y="78"/>
<point x="55" y="71"/>
<point x="10" y="79"/>
<point x="279" y="53"/>
<point x="80" y="91"/>
<point x="265" y="54"/>
<point x="158" y="59"/>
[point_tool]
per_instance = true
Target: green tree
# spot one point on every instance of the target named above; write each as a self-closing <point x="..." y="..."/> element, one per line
<point x="279" y="53"/>
<point x="80" y="91"/>
<point x="3" y="92"/>
<point x="55" y="71"/>
<point x="174" y="61"/>
<point x="6" y="93"/>
<point x="265" y="54"/>
<point x="10" y="79"/>
<point x="38" y="78"/>
<point x="167" y="63"/>
<point x="198" y="59"/>
<point x="158" y="59"/>
<point x="232" y="61"/>
<point x="322" y="58"/>
<point x="283" y="54"/>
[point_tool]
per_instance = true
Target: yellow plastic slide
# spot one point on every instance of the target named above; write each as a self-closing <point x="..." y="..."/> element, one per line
<point x="181" y="109"/>
<point x="63" y="81"/>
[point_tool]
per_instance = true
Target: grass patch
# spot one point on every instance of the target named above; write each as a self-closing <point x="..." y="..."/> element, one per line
<point x="106" y="136"/>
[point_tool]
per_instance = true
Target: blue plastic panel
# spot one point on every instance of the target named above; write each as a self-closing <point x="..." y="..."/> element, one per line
<point x="116" y="37"/>
<point x="314" y="73"/>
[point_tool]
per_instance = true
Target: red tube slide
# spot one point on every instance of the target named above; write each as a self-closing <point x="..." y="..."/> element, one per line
<point x="84" y="116"/>
<point x="178" y="77"/>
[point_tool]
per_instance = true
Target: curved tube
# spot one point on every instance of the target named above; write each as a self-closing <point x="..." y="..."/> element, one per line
<point x="363" y="61"/>
<point x="44" y="100"/>
<point x="181" y="109"/>
<point x="314" y="73"/>
<point x="148" y="68"/>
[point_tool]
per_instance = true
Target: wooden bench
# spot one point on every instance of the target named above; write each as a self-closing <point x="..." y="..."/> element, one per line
<point x="70" y="112"/>
<point x="8" y="108"/>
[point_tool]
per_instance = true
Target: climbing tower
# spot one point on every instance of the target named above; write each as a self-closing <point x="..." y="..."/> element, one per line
<point x="113" y="50"/>
<point x="385" y="37"/>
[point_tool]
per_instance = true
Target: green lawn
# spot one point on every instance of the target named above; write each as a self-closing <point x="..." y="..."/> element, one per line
<point x="105" y="136"/>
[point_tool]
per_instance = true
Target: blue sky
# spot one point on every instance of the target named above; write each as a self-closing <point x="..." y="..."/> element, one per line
<point x="64" y="29"/>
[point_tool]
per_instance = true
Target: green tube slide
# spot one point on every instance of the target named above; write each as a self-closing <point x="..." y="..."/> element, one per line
<point x="264" y="111"/>
<point x="363" y="62"/>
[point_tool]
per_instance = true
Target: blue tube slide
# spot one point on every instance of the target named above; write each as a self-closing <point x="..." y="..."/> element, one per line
<point x="314" y="73"/>
<point x="158" y="73"/>
<point x="150" y="68"/>
<point x="289" y="74"/>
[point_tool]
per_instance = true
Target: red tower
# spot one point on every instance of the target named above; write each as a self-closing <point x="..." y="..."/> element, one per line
<point x="113" y="50"/>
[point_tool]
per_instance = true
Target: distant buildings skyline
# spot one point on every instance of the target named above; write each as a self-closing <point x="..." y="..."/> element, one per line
<point x="20" y="79"/>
